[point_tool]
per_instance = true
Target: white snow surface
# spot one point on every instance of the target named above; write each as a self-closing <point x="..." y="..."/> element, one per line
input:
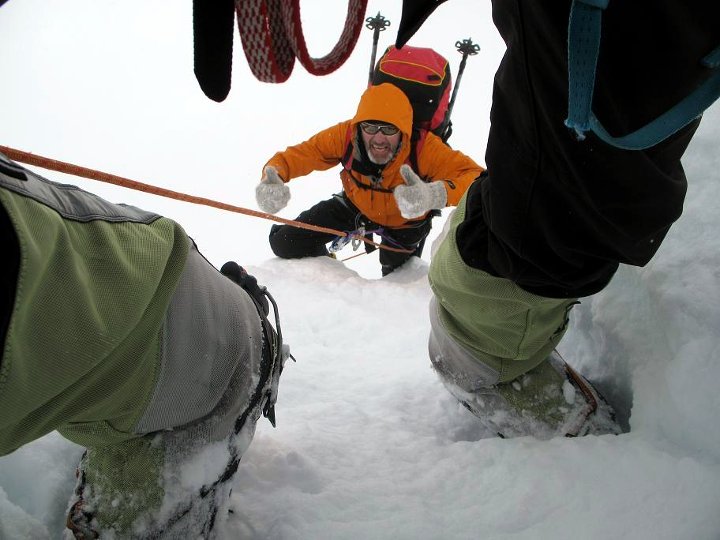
<point x="369" y="444"/>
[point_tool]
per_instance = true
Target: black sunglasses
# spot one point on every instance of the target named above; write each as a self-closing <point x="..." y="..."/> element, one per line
<point x="372" y="129"/>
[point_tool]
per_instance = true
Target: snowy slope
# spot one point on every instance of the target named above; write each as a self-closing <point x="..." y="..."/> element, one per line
<point x="369" y="445"/>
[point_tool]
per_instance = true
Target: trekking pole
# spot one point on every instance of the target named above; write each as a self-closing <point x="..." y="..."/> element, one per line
<point x="377" y="24"/>
<point x="467" y="48"/>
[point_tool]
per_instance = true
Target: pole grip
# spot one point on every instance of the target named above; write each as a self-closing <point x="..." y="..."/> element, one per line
<point x="377" y="24"/>
<point x="466" y="47"/>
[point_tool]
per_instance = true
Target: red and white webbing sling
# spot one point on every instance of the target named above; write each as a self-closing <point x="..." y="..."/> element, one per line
<point x="272" y="38"/>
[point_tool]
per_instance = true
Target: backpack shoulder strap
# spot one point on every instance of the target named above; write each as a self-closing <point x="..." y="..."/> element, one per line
<point x="347" y="158"/>
<point x="583" y="47"/>
<point x="417" y="140"/>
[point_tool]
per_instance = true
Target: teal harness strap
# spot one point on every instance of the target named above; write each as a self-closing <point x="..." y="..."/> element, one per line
<point x="583" y="47"/>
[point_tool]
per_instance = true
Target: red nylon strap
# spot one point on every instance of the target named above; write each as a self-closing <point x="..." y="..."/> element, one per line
<point x="272" y="37"/>
<point x="267" y="49"/>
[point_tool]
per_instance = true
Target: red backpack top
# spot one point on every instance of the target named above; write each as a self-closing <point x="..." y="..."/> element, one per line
<point x="424" y="76"/>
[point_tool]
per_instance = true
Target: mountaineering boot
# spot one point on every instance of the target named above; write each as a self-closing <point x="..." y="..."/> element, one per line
<point x="552" y="400"/>
<point x="548" y="400"/>
<point x="170" y="483"/>
<point x="177" y="507"/>
<point x="493" y="344"/>
<point x="514" y="398"/>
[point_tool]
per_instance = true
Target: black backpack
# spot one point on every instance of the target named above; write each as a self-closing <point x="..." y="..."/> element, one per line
<point x="424" y="76"/>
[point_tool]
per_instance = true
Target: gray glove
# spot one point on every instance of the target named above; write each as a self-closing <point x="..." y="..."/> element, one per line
<point x="418" y="197"/>
<point x="271" y="194"/>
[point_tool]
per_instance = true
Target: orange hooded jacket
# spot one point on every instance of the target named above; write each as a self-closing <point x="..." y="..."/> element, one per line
<point x="326" y="149"/>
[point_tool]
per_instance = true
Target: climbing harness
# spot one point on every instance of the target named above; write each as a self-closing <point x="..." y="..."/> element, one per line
<point x="360" y="235"/>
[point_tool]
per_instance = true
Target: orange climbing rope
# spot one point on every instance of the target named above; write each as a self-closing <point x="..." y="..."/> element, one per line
<point x="92" y="174"/>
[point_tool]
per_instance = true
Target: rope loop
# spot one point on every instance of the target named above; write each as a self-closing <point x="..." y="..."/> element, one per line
<point x="272" y="38"/>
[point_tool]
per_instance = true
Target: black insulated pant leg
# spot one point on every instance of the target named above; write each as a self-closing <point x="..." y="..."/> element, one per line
<point x="289" y="242"/>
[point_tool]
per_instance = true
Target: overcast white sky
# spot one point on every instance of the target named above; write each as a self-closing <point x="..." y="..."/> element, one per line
<point x="110" y="85"/>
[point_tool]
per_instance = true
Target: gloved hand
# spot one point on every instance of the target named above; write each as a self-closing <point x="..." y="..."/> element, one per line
<point x="271" y="194"/>
<point x="418" y="197"/>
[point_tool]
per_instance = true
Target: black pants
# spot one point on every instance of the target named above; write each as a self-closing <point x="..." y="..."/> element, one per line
<point x="339" y="213"/>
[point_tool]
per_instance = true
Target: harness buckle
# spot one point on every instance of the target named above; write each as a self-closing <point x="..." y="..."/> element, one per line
<point x="357" y="237"/>
<point x="340" y="242"/>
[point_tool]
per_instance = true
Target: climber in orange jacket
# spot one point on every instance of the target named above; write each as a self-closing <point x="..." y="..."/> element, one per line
<point x="393" y="184"/>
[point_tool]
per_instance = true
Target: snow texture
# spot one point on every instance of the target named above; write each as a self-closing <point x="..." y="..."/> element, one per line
<point x="369" y="444"/>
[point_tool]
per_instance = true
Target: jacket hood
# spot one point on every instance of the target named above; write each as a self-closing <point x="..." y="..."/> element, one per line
<point x="387" y="103"/>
